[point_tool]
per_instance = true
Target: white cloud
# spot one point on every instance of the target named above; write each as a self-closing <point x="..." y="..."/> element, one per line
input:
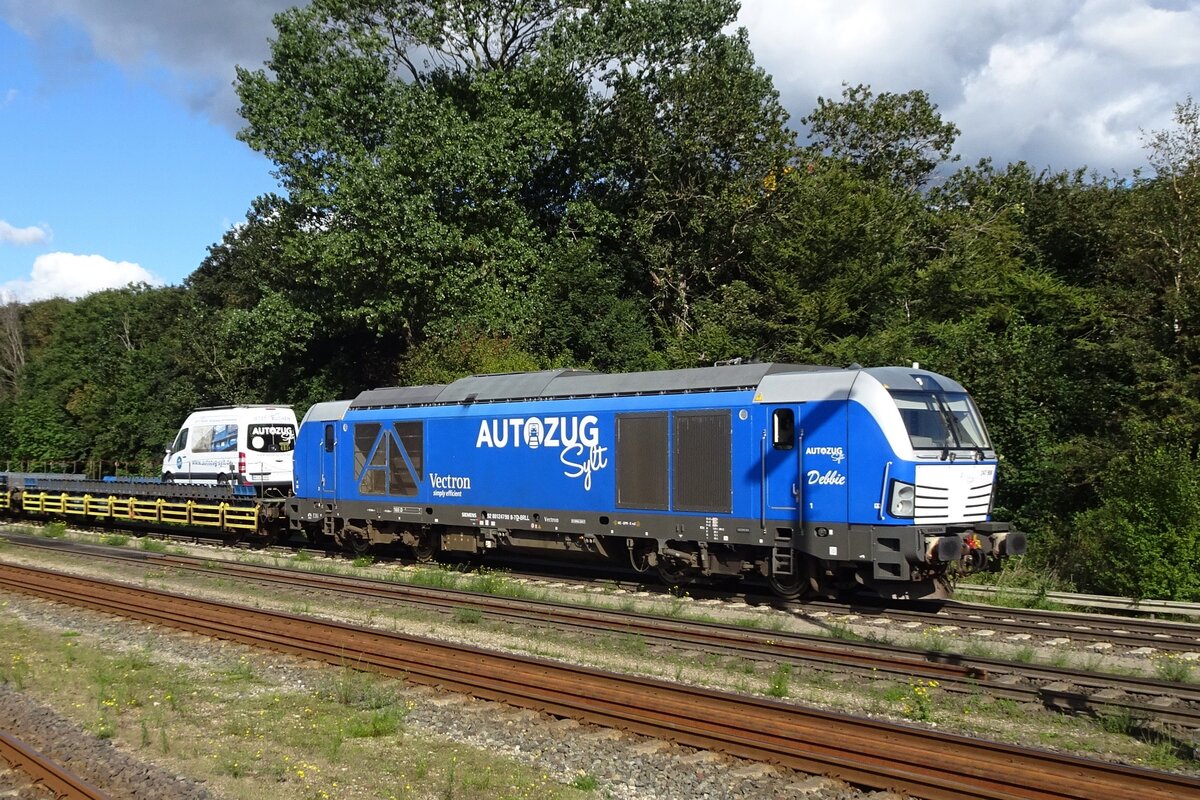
<point x="198" y="43"/>
<point x="1139" y="32"/>
<point x="1061" y="85"/>
<point x="34" y="234"/>
<point x="70" y="275"/>
<point x="1101" y="70"/>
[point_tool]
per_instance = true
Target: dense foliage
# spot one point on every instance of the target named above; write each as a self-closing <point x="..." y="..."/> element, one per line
<point x="472" y="186"/>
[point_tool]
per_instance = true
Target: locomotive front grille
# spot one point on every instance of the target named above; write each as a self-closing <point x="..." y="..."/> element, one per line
<point x="952" y="493"/>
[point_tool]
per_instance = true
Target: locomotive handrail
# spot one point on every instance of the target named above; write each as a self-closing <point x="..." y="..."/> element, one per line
<point x="762" y="461"/>
<point x="798" y="486"/>
<point x="887" y="471"/>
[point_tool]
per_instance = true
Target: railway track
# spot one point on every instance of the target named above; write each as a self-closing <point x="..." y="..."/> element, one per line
<point x="1122" y="605"/>
<point x="920" y="762"/>
<point x="1059" y="627"/>
<point x="1072" y="691"/>
<point x="1056" y="688"/>
<point x="44" y="771"/>
<point x="1068" y="626"/>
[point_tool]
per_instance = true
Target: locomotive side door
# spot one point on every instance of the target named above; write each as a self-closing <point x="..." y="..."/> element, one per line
<point x="788" y="572"/>
<point x="328" y="481"/>
<point x="781" y="463"/>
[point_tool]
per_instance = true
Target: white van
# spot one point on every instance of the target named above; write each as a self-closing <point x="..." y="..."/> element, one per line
<point x="246" y="445"/>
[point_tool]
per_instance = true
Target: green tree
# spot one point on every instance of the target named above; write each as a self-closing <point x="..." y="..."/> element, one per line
<point x="535" y="153"/>
<point x="693" y="142"/>
<point x="1143" y="539"/>
<point x="897" y="137"/>
<point x="832" y="260"/>
<point x="1159" y="269"/>
<point x="104" y="382"/>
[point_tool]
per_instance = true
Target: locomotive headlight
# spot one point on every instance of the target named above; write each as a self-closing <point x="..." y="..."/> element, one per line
<point x="903" y="499"/>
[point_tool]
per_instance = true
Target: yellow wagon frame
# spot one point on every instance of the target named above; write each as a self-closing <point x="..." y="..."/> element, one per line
<point x="222" y="516"/>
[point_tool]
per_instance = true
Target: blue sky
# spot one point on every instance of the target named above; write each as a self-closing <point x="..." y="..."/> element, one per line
<point x="118" y="120"/>
<point x="107" y="163"/>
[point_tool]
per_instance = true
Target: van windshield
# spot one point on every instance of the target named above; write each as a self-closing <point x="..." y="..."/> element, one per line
<point x="272" y="438"/>
<point x="940" y="420"/>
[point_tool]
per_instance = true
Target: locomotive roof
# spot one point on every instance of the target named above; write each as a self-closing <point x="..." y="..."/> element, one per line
<point x="326" y="412"/>
<point x="567" y="383"/>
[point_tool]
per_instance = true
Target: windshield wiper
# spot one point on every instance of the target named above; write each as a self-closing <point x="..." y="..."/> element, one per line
<point x="958" y="431"/>
<point x="952" y="429"/>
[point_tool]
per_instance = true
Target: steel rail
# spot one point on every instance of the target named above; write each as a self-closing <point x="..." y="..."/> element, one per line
<point x="1064" y="689"/>
<point x="1056" y="688"/>
<point x="920" y="762"/>
<point x="1132" y="605"/>
<point x="44" y="771"/>
<point x="1126" y="631"/>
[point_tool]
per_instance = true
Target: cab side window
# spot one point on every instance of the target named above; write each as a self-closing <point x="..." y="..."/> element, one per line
<point x="180" y="441"/>
<point x="783" y="429"/>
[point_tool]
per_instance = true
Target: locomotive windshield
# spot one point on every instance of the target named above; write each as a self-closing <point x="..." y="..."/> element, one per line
<point x="938" y="420"/>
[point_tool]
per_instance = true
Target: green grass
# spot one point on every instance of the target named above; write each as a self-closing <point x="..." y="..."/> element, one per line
<point x="840" y="630"/>
<point x="1018" y="573"/>
<point x="249" y="738"/>
<point x="374" y="723"/>
<point x="625" y="644"/>
<point x="435" y="578"/>
<point x="1172" y="667"/>
<point x="53" y="530"/>
<point x="935" y="640"/>
<point x="586" y="783"/>
<point x="778" y="684"/>
<point x="468" y="616"/>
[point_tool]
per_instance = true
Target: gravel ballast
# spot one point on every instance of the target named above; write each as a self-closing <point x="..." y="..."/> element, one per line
<point x="97" y="761"/>
<point x="625" y="767"/>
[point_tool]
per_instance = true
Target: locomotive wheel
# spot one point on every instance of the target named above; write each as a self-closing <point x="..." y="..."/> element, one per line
<point x="354" y="539"/>
<point x="426" y="547"/>
<point x="673" y="575"/>
<point x="797" y="585"/>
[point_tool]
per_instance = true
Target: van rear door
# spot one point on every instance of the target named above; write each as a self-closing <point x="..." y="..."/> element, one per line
<point x="271" y="445"/>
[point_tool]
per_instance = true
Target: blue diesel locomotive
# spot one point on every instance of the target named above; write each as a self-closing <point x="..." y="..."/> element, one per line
<point x="817" y="479"/>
